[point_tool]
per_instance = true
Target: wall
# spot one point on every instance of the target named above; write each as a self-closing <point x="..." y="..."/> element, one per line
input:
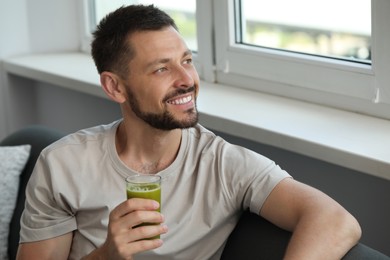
<point x="14" y="39"/>
<point x="25" y="27"/>
<point x="70" y="111"/>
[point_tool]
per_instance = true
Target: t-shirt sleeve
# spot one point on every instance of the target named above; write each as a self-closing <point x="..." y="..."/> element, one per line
<point x="46" y="214"/>
<point x="250" y="177"/>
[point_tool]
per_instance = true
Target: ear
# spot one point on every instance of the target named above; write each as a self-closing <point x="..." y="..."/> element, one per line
<point x="112" y="86"/>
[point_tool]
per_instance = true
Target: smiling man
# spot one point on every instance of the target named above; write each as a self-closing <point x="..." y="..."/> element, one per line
<point x="76" y="204"/>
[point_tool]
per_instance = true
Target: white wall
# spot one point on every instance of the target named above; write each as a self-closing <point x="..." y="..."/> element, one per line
<point x="14" y="39"/>
<point x="29" y="27"/>
<point x="53" y="25"/>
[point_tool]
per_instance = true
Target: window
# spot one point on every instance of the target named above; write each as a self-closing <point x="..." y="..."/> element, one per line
<point x="183" y="12"/>
<point x="357" y="86"/>
<point x="185" y="15"/>
<point x="304" y="26"/>
<point x="329" y="52"/>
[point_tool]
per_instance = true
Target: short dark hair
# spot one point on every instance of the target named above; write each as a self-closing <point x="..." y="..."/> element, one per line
<point x="110" y="47"/>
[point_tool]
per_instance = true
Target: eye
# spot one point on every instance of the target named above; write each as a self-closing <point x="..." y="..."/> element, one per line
<point x="161" y="70"/>
<point x="188" y="61"/>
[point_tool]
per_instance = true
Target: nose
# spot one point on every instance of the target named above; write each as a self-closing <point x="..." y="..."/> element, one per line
<point x="184" y="77"/>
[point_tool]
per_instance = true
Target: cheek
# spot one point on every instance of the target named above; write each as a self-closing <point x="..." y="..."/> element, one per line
<point x="196" y="83"/>
<point x="153" y="99"/>
<point x="145" y="91"/>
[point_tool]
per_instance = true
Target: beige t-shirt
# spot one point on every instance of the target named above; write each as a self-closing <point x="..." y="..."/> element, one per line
<point x="79" y="179"/>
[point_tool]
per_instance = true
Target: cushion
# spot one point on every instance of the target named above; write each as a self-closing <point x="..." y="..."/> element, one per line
<point x="12" y="162"/>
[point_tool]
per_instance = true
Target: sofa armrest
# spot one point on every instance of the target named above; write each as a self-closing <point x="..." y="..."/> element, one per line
<point x="256" y="238"/>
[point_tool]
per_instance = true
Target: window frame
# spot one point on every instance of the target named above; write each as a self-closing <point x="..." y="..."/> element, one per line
<point x="86" y="21"/>
<point x="307" y="77"/>
<point x="360" y="87"/>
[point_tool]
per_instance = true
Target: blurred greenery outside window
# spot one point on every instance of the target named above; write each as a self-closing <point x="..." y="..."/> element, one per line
<point x="333" y="28"/>
<point x="303" y="26"/>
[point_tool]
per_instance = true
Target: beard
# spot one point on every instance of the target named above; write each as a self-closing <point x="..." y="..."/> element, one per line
<point x="164" y="120"/>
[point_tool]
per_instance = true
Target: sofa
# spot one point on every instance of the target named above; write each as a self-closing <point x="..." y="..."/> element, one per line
<point x="252" y="238"/>
<point x="38" y="137"/>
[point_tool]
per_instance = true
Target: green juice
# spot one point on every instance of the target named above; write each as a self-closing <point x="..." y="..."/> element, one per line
<point x="145" y="191"/>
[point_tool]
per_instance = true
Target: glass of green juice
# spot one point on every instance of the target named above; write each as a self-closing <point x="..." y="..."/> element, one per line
<point x="145" y="186"/>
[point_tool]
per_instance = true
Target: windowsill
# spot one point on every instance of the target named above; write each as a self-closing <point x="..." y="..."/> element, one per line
<point x="343" y="138"/>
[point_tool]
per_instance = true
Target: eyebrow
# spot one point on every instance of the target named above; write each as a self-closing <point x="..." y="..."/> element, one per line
<point x="165" y="60"/>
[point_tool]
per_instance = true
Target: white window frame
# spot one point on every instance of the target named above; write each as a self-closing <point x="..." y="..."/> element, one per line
<point x="353" y="86"/>
<point x="307" y="77"/>
<point x="86" y="18"/>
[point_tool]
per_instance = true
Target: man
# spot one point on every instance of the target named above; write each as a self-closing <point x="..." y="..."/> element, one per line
<point x="76" y="203"/>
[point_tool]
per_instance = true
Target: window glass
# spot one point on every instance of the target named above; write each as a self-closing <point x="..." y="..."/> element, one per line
<point x="333" y="28"/>
<point x="183" y="12"/>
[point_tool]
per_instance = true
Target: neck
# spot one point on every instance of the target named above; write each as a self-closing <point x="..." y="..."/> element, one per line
<point x="147" y="150"/>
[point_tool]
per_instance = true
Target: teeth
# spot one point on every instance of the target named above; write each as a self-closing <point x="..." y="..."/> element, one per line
<point x="180" y="101"/>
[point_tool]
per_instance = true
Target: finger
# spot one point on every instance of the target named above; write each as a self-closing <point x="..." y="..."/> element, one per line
<point x="143" y="245"/>
<point x="131" y="205"/>
<point x="146" y="232"/>
<point x="125" y="247"/>
<point x="139" y="217"/>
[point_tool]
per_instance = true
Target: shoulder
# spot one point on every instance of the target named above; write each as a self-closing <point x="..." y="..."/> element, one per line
<point x="204" y="139"/>
<point x="199" y="131"/>
<point x="229" y="155"/>
<point x="83" y="139"/>
<point x="210" y="143"/>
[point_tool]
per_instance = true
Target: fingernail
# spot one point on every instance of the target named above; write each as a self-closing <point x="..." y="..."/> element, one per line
<point x="165" y="228"/>
<point x="156" y="205"/>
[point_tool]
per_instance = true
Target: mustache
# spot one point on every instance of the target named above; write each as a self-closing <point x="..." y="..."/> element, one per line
<point x="179" y="92"/>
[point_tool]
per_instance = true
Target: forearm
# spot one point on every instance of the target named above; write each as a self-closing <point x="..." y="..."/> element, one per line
<point x="323" y="235"/>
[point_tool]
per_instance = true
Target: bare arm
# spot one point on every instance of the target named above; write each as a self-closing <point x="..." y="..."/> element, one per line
<point x="54" y="248"/>
<point x="322" y="229"/>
